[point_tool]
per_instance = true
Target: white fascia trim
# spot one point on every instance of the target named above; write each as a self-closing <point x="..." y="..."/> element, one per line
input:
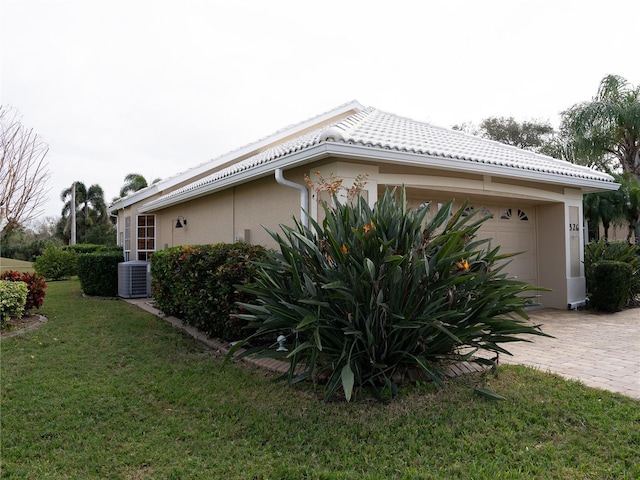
<point x="455" y="164"/>
<point x="286" y="162"/>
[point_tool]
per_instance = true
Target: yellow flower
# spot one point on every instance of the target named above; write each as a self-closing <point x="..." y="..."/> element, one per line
<point x="366" y="228"/>
<point x="463" y="265"/>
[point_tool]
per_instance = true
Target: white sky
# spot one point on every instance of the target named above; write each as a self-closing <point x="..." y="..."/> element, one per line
<point x="158" y="86"/>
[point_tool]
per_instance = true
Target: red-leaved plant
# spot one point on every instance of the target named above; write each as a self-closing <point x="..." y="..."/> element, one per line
<point x="35" y="283"/>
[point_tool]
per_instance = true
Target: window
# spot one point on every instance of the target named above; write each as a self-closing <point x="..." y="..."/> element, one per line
<point x="146" y="236"/>
<point x="127" y="238"/>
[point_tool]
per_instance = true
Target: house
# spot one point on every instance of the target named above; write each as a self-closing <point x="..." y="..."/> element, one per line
<point x="534" y="202"/>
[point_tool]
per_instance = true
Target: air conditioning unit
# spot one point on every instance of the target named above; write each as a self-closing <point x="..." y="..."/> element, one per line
<point x="134" y="279"/>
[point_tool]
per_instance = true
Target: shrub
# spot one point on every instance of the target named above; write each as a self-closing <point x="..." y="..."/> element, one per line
<point x="13" y="297"/>
<point x="610" y="285"/>
<point x="198" y="285"/>
<point x="98" y="273"/>
<point x="618" y="251"/>
<point x="371" y="293"/>
<point x="55" y="264"/>
<point x="35" y="284"/>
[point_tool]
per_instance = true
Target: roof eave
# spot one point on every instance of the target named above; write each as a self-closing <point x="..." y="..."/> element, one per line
<point x="345" y="150"/>
<point x="462" y="165"/>
<point x="308" y="155"/>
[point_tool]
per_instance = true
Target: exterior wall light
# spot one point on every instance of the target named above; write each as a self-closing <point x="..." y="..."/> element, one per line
<point x="179" y="224"/>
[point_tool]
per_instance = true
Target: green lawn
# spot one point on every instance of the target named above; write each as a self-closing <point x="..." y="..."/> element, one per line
<point x="12" y="264"/>
<point x="105" y="390"/>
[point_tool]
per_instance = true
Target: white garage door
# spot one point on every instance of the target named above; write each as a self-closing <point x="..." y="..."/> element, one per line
<point x="514" y="229"/>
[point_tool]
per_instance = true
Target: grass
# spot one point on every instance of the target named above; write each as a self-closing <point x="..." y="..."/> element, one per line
<point x="17" y="265"/>
<point x="105" y="390"/>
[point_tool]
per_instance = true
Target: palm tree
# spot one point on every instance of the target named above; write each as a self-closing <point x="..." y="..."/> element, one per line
<point x="606" y="207"/>
<point x="630" y="187"/>
<point x="90" y="207"/>
<point x="605" y="132"/>
<point x="135" y="182"/>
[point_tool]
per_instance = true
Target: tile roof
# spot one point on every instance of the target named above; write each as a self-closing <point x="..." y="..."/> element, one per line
<point x="380" y="132"/>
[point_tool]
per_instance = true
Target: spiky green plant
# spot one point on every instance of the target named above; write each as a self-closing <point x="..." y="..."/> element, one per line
<point x="372" y="292"/>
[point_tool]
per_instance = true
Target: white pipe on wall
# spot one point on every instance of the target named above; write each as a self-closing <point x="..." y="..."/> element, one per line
<point x="304" y="195"/>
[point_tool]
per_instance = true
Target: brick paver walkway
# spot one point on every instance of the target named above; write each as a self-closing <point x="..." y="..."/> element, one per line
<point x="601" y="350"/>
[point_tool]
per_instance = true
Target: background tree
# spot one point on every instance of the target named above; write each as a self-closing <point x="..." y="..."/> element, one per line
<point x="605" y="132"/>
<point x="532" y="135"/>
<point x="608" y="208"/>
<point x="23" y="171"/>
<point x="93" y="224"/>
<point x="135" y="182"/>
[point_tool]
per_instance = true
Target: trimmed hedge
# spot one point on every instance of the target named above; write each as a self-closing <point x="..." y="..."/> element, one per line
<point x="610" y="290"/>
<point x="35" y="284"/>
<point x="198" y="285"/>
<point x="13" y="297"/>
<point x="618" y="251"/>
<point x="98" y="273"/>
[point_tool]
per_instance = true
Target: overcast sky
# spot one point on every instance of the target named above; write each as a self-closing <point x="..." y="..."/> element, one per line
<point x="158" y="86"/>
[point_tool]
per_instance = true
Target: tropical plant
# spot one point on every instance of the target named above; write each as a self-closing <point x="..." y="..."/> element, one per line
<point x="135" y="182"/>
<point x="373" y="293"/>
<point x="604" y="208"/>
<point x="630" y="188"/>
<point x="91" y="211"/>
<point x="605" y="132"/>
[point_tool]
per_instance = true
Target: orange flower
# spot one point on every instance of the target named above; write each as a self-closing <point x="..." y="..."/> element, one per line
<point x="343" y="248"/>
<point x="463" y="265"/>
<point x="366" y="228"/>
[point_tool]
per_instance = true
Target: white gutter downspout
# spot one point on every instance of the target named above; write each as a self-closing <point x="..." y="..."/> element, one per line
<point x="304" y="195"/>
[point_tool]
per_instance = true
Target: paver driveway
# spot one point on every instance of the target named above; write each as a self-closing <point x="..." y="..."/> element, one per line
<point x="600" y="350"/>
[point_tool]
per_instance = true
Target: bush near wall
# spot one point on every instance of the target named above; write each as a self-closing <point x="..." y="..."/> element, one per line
<point x="36" y="286"/>
<point x="610" y="291"/>
<point x="13" y="297"/>
<point x="618" y="251"/>
<point x="198" y="285"/>
<point x="98" y="273"/>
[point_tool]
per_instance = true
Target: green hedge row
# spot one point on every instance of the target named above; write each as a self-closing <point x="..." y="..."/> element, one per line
<point x="198" y="285"/>
<point x="59" y="263"/>
<point x="98" y="273"/>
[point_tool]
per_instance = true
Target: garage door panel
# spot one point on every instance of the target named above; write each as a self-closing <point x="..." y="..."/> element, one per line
<point x="513" y="229"/>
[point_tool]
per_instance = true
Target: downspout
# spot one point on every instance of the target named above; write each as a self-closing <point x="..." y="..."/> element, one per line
<point x="304" y="195"/>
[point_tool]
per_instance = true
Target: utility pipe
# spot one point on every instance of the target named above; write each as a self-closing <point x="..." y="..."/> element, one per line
<point x="304" y="195"/>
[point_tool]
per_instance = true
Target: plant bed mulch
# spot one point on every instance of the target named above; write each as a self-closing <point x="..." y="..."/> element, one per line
<point x="16" y="326"/>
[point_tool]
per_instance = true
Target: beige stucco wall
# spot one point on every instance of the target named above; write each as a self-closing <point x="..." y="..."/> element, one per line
<point x="242" y="211"/>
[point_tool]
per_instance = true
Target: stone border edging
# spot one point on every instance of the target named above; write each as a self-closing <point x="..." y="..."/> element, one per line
<point x="12" y="333"/>
<point x="452" y="371"/>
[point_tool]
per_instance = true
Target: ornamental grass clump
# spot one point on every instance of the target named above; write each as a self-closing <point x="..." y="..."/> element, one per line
<point x="371" y="293"/>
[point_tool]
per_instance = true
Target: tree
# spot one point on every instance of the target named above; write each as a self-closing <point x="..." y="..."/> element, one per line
<point x="135" y="182"/>
<point x="606" y="207"/>
<point x="91" y="210"/>
<point x="528" y="135"/>
<point x="630" y="188"/>
<point x="605" y="132"/>
<point x="23" y="171"/>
